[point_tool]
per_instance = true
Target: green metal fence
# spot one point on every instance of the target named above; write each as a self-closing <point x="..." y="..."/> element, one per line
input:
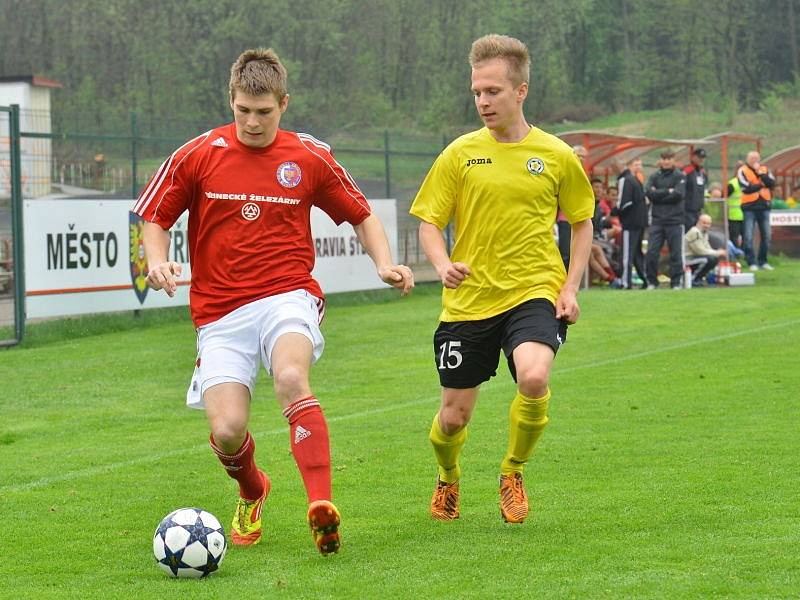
<point x="75" y="158"/>
<point x="73" y="163"/>
<point x="12" y="283"/>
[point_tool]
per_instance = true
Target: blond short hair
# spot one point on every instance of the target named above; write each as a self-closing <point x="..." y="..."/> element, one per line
<point x="256" y="72"/>
<point x="507" y="48"/>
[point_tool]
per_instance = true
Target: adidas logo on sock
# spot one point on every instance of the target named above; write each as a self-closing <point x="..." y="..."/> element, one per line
<point x="220" y="142"/>
<point x="300" y="434"/>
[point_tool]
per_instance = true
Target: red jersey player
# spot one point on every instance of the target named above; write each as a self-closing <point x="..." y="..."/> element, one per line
<point x="249" y="188"/>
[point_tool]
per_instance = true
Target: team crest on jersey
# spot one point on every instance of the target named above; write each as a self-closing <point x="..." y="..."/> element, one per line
<point x="138" y="262"/>
<point x="289" y="174"/>
<point x="535" y="166"/>
<point x="250" y="211"/>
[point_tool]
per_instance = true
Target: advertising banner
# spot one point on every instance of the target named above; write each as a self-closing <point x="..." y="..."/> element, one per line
<point x="87" y="256"/>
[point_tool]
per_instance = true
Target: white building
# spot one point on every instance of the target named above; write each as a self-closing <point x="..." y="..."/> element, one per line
<point x="32" y="94"/>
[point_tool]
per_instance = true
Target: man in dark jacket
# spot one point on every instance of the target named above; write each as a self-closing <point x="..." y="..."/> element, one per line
<point x="632" y="210"/>
<point x="665" y="189"/>
<point x="696" y="179"/>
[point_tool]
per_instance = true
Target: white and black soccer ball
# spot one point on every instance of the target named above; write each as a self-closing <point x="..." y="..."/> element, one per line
<point x="189" y="542"/>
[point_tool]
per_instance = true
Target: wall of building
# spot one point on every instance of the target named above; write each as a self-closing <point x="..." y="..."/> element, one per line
<point x="36" y="154"/>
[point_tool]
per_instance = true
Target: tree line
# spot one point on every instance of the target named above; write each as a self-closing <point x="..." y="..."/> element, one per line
<point x="398" y="63"/>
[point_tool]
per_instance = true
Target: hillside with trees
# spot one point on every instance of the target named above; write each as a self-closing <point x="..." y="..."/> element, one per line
<point x="399" y="64"/>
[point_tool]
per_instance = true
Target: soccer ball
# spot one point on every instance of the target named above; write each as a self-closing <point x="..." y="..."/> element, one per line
<point x="189" y="542"/>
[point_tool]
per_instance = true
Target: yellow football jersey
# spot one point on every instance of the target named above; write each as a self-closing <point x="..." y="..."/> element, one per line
<point x="502" y="199"/>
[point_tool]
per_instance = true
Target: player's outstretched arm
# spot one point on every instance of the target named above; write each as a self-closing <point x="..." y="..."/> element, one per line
<point x="162" y="272"/>
<point x="432" y="241"/>
<point x="372" y="236"/>
<point x="580" y="247"/>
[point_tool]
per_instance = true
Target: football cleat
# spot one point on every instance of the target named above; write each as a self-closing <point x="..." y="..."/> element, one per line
<point x="513" y="501"/>
<point x="246" y="527"/>
<point x="445" y="501"/>
<point x="324" y="519"/>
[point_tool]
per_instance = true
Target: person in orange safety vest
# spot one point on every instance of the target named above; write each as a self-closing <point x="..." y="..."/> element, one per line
<point x="756" y="182"/>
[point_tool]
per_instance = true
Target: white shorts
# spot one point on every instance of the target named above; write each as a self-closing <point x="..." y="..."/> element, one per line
<point x="231" y="348"/>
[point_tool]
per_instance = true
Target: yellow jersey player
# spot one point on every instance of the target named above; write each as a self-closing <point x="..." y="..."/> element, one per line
<point x="505" y="286"/>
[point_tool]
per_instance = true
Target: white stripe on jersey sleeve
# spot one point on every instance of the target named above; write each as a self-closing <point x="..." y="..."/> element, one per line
<point x="155" y="181"/>
<point x="139" y="209"/>
<point x="327" y="148"/>
<point x="346" y="174"/>
<point x="314" y="141"/>
<point x="158" y="178"/>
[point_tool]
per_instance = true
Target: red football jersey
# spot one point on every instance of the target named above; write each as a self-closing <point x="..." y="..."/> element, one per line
<point x="249" y="214"/>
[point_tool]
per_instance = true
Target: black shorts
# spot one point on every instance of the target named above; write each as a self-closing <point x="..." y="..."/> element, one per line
<point x="468" y="352"/>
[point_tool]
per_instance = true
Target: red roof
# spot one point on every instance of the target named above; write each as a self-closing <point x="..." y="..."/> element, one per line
<point x="720" y="139"/>
<point x="34" y="80"/>
<point x="606" y="149"/>
<point x="784" y="162"/>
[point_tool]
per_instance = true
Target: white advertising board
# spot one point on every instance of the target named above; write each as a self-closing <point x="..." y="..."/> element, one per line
<point x="784" y="218"/>
<point x="85" y="256"/>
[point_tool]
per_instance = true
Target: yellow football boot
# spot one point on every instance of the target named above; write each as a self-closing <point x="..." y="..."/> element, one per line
<point x="246" y="526"/>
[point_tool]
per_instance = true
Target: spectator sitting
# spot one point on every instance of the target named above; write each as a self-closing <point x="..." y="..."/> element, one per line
<point x="600" y="221"/>
<point x="606" y="202"/>
<point x="602" y="249"/>
<point x="563" y="227"/>
<point x="609" y="203"/>
<point x="715" y="191"/>
<point x="734" y="251"/>
<point x="793" y="201"/>
<point x="600" y="268"/>
<point x="700" y="256"/>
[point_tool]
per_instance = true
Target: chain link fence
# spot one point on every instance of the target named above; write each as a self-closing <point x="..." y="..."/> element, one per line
<point x="12" y="316"/>
<point x="69" y="158"/>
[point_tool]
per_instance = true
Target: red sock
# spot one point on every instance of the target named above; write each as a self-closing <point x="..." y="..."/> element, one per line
<point x="241" y="466"/>
<point x="611" y="276"/>
<point x="308" y="436"/>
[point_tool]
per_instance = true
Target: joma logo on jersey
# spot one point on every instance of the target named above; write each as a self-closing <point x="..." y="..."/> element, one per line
<point x="478" y="161"/>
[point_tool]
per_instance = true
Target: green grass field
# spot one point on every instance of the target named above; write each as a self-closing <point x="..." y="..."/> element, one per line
<point x="669" y="469"/>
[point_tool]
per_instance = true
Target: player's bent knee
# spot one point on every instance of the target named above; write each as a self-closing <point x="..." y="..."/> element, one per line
<point x="229" y="437"/>
<point x="290" y="381"/>
<point x="452" y="420"/>
<point x="533" y="382"/>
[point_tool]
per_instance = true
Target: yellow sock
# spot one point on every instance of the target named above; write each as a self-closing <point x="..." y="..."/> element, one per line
<point x="447" y="449"/>
<point x="527" y="419"/>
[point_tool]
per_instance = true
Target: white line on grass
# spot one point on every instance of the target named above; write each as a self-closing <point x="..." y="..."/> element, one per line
<point x="681" y="346"/>
<point x="45" y="481"/>
<point x="70" y="475"/>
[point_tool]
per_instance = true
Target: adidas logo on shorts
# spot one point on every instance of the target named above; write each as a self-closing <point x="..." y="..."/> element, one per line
<point x="300" y="434"/>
